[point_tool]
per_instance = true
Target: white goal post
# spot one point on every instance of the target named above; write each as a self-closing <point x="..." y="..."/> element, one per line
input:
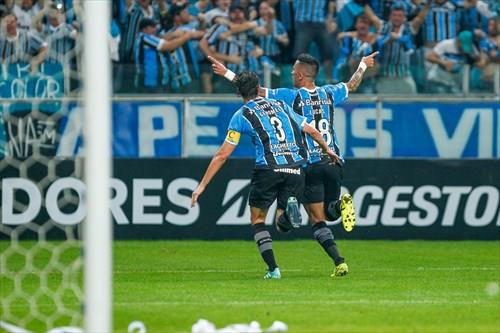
<point x="97" y="140"/>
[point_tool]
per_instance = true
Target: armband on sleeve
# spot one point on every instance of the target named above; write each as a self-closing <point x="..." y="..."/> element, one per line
<point x="233" y="137"/>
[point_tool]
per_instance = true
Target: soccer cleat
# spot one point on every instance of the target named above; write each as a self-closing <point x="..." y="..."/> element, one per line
<point x="293" y="212"/>
<point x="282" y="228"/>
<point x="273" y="274"/>
<point x="340" y="270"/>
<point x="347" y="212"/>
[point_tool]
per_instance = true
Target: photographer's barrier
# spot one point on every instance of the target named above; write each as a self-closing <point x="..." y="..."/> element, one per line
<point x="394" y="199"/>
<point x="194" y="127"/>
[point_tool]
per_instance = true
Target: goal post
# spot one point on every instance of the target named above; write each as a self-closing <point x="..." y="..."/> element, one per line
<point x="97" y="140"/>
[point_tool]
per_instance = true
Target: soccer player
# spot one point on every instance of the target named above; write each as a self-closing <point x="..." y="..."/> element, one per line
<point x="276" y="132"/>
<point x="323" y="179"/>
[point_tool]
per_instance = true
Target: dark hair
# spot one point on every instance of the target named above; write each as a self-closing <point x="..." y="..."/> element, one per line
<point x="247" y="84"/>
<point x="146" y="22"/>
<point x="398" y="5"/>
<point x="308" y="59"/>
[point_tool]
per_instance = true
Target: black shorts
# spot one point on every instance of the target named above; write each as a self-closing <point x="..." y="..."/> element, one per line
<point x="323" y="182"/>
<point x="268" y="185"/>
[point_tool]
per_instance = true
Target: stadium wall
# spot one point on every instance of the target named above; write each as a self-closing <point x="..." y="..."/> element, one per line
<point x="395" y="199"/>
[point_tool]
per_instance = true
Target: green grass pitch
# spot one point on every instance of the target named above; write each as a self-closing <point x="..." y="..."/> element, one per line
<point x="403" y="286"/>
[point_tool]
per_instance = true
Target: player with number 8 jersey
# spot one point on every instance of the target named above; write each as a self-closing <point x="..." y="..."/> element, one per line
<point x="276" y="131"/>
<point x="323" y="179"/>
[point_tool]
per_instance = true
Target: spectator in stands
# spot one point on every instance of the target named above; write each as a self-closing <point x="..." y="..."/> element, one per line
<point x="20" y="46"/>
<point x="272" y="33"/>
<point x="272" y="38"/>
<point x="314" y="23"/>
<point x="150" y="60"/>
<point x="183" y="61"/>
<point x="354" y="45"/>
<point x="475" y="16"/>
<point x="490" y="47"/>
<point x="6" y="7"/>
<point x="199" y="8"/>
<point x="448" y="56"/>
<point x="250" y="6"/>
<point x="395" y="44"/>
<point x="138" y="10"/>
<point x="25" y="12"/>
<point x="239" y="50"/>
<point x="60" y="36"/>
<point x="441" y="22"/>
<point x="214" y="15"/>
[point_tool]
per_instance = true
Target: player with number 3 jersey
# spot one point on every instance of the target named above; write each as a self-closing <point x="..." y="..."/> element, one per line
<point x="276" y="132"/>
<point x="323" y="179"/>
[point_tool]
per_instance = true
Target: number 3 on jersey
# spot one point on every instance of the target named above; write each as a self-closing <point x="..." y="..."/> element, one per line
<point x="278" y="128"/>
<point x="324" y="129"/>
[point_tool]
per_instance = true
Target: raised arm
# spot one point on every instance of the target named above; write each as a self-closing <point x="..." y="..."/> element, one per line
<point x="366" y="62"/>
<point x="221" y="70"/>
<point x="419" y="19"/>
<point x="373" y="18"/>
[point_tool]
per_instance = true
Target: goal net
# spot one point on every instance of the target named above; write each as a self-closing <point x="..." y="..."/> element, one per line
<point x="49" y="244"/>
<point x="40" y="262"/>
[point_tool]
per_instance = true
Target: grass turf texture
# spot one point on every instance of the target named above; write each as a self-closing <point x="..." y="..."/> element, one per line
<point x="408" y="286"/>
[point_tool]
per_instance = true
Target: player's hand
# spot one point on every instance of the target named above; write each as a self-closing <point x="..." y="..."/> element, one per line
<point x="333" y="156"/>
<point x="217" y="66"/>
<point x="196" y="194"/>
<point x="370" y="59"/>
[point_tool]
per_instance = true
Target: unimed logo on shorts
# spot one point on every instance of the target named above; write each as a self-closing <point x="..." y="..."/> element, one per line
<point x="152" y="201"/>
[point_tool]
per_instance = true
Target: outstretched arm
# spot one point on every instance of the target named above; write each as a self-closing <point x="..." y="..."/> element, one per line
<point x="366" y="62"/>
<point x="221" y="70"/>
<point x="216" y="163"/>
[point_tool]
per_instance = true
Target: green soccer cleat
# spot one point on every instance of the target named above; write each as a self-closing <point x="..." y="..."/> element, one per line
<point x="340" y="270"/>
<point x="293" y="212"/>
<point x="273" y="274"/>
<point x="347" y="212"/>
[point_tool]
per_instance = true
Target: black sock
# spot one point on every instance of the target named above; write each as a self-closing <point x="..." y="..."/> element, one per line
<point x="332" y="210"/>
<point x="324" y="236"/>
<point x="264" y="244"/>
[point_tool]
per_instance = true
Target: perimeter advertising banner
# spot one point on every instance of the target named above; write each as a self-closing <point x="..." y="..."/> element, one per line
<point x="395" y="199"/>
<point x="169" y="129"/>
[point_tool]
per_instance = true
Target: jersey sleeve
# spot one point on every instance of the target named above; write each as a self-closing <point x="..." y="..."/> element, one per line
<point x="281" y="94"/>
<point x="340" y="92"/>
<point x="237" y="125"/>
<point x="297" y="118"/>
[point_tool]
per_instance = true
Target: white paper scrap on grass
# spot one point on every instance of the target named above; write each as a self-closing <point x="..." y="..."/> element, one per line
<point x="204" y="326"/>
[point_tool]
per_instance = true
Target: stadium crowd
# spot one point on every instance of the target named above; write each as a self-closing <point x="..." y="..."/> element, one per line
<point x="160" y="46"/>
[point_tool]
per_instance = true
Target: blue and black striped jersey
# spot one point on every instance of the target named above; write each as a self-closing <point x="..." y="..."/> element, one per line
<point x="151" y="64"/>
<point x="21" y="48"/>
<point x="317" y="106"/>
<point x="275" y="131"/>
<point x="310" y="10"/>
<point x="441" y="22"/>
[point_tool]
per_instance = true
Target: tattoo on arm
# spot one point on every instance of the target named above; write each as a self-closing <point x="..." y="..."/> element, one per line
<point x="355" y="80"/>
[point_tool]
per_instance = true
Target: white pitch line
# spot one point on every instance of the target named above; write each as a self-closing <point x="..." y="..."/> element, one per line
<point x="375" y="269"/>
<point x="200" y="271"/>
<point x="319" y="302"/>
